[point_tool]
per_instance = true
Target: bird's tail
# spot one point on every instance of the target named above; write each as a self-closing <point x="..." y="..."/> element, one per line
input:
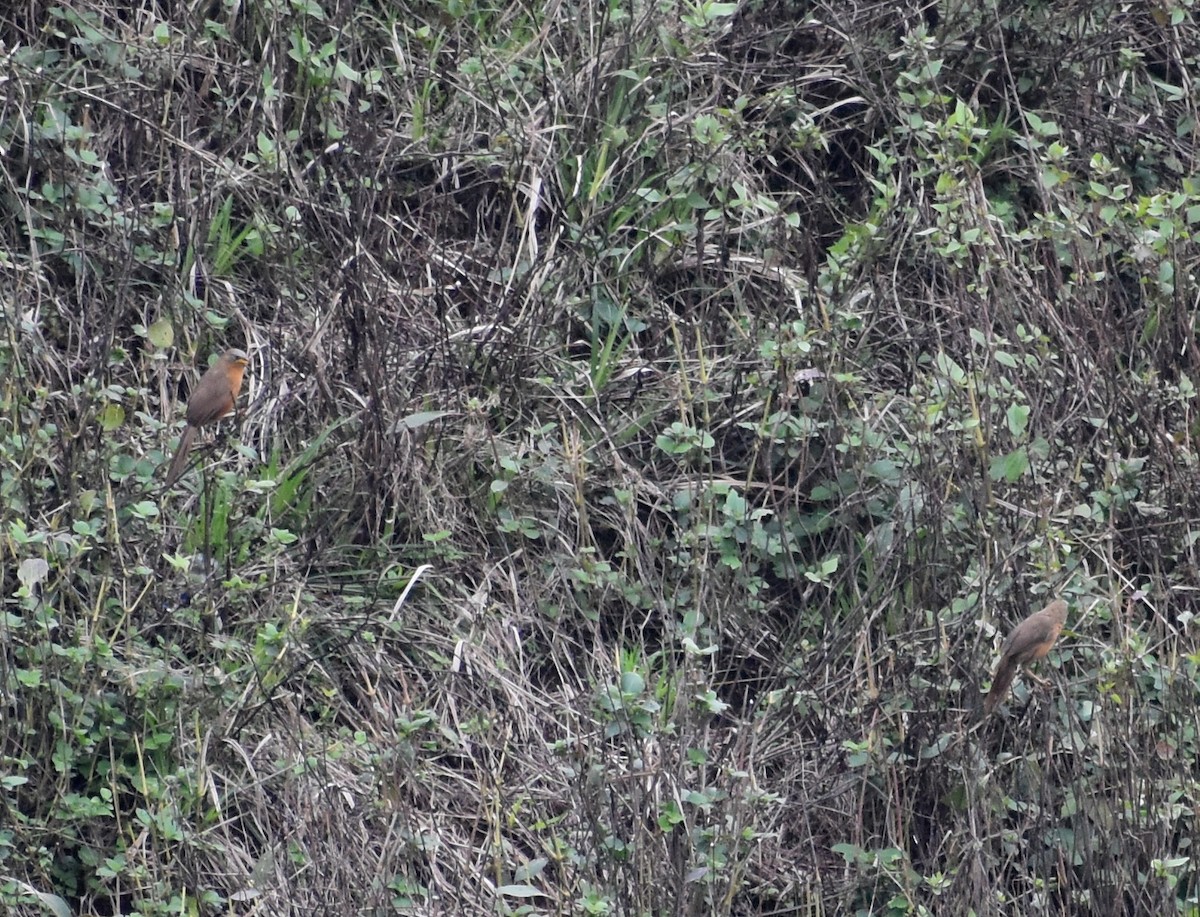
<point x="1000" y="685"/>
<point x="179" y="462"/>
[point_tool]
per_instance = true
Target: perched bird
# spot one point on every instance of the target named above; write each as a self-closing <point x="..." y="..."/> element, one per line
<point x="213" y="398"/>
<point x="1029" y="641"/>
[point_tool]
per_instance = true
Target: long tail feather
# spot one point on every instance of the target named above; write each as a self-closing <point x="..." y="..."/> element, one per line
<point x="1000" y="684"/>
<point x="179" y="462"/>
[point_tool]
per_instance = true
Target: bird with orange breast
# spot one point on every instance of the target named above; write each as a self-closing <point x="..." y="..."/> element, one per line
<point x="213" y="397"/>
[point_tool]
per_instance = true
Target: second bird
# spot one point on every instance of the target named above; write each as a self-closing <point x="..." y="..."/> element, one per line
<point x="1029" y="641"/>
<point x="213" y="398"/>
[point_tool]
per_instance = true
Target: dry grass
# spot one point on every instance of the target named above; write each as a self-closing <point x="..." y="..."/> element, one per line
<point x="740" y="381"/>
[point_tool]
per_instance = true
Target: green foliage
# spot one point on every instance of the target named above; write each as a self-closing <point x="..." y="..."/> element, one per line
<point x="229" y="244"/>
<point x="743" y="370"/>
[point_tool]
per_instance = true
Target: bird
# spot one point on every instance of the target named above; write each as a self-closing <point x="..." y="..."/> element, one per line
<point x="1027" y="642"/>
<point x="213" y="398"/>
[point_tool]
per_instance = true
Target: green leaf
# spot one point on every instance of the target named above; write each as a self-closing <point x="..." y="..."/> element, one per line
<point x="57" y="905"/>
<point x="849" y="852"/>
<point x="112" y="416"/>
<point x="161" y="334"/>
<point x="519" y="891"/>
<point x="1040" y="127"/>
<point x="1009" y="467"/>
<point x="420" y="419"/>
<point x="632" y="684"/>
<point x="1018" y="419"/>
<point x="531" y="869"/>
<point x="714" y="10"/>
<point x="947" y="367"/>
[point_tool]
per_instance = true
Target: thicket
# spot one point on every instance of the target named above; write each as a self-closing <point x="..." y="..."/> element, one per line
<point x="657" y="414"/>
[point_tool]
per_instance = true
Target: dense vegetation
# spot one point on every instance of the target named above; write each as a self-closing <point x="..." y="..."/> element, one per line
<point x="657" y="414"/>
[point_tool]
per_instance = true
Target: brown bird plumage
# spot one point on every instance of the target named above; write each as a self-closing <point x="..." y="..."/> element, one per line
<point x="1029" y="641"/>
<point x="213" y="398"/>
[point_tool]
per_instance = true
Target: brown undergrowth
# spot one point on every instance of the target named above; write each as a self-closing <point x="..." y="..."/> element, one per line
<point x="656" y="415"/>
